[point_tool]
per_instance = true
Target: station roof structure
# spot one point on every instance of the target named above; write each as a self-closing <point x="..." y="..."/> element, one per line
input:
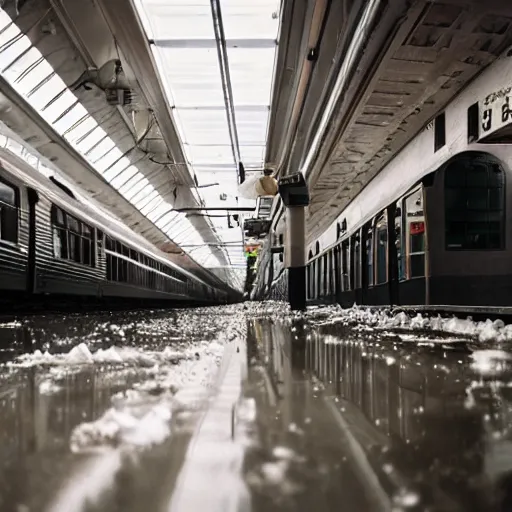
<point x="213" y="64"/>
<point x="156" y="108"/>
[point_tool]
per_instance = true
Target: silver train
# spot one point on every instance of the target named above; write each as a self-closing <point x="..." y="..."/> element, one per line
<point x="52" y="246"/>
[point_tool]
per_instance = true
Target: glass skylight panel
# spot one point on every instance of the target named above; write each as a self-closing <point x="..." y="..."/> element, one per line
<point x="100" y="150"/>
<point x="42" y="92"/>
<point x="160" y="210"/>
<point x="124" y="176"/>
<point x="251" y="71"/>
<point x="136" y="189"/>
<point x="151" y="205"/>
<point x="187" y="235"/>
<point x="203" y="255"/>
<point x="178" y="19"/>
<point x="252" y="154"/>
<point x="193" y="75"/>
<point x="52" y="111"/>
<point x="91" y="139"/>
<point x="164" y="220"/>
<point x="71" y="118"/>
<point x="145" y="198"/>
<point x="108" y="159"/>
<point x="245" y="19"/>
<point x="204" y="126"/>
<point x="166" y="226"/>
<point x="13" y="70"/>
<point x="204" y="154"/>
<point x="9" y="29"/>
<point x="130" y="182"/>
<point x="11" y="45"/>
<point x="251" y="125"/>
<point x="116" y="169"/>
<point x="150" y="201"/>
<point x="74" y="134"/>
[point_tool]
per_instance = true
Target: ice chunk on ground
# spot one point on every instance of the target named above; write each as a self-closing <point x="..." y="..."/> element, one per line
<point x="141" y="417"/>
<point x="80" y="355"/>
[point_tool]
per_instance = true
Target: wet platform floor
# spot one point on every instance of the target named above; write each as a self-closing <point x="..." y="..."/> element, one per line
<point x="235" y="409"/>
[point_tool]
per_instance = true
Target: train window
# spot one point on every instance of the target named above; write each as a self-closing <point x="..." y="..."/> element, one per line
<point x="332" y="273"/>
<point x="308" y="280"/>
<point x="415" y="229"/>
<point x="72" y="239"/>
<point x="9" y="203"/>
<point x="439" y="132"/>
<point x="60" y="236"/>
<point x="356" y="278"/>
<point x="325" y="275"/>
<point x="400" y="242"/>
<point x="474" y="205"/>
<point x="369" y="256"/>
<point x="318" y="277"/>
<point x="473" y="123"/>
<point x="73" y="224"/>
<point x="345" y="282"/>
<point x="381" y="235"/>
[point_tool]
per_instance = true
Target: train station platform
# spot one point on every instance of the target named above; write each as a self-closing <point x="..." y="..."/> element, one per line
<point x="252" y="407"/>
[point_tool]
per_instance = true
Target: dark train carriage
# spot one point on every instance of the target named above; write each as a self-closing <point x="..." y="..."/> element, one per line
<point x="470" y="247"/>
<point x="444" y="242"/>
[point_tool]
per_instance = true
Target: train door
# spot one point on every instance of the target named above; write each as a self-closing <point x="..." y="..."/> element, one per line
<point x="381" y="295"/>
<point x="393" y="243"/>
<point x="310" y="273"/>
<point x="411" y="249"/>
<point x="355" y="267"/>
<point x="367" y="264"/>
<point x="346" y="295"/>
<point x="337" y="273"/>
<point x="33" y="199"/>
<point x="326" y="276"/>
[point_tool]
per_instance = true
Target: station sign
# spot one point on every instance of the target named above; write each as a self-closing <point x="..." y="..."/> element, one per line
<point x="495" y="111"/>
<point x="251" y="248"/>
<point x="251" y="251"/>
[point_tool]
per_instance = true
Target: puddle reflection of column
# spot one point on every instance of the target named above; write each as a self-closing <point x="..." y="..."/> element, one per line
<point x="290" y="357"/>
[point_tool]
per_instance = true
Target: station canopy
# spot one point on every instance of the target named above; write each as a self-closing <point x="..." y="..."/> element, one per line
<point x="218" y="85"/>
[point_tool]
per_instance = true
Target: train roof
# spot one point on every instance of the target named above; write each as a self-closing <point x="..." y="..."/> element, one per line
<point x="86" y="210"/>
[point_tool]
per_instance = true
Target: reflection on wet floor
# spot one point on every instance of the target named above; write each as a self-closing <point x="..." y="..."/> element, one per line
<point x="89" y="432"/>
<point x="331" y="417"/>
<point x="418" y="428"/>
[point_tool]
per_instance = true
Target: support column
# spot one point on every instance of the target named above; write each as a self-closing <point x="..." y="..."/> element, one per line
<point x="295" y="256"/>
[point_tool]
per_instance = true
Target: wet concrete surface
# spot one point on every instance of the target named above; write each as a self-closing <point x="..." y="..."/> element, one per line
<point x="239" y="408"/>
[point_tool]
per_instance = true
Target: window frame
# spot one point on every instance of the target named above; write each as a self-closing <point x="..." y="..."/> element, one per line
<point x="16" y="207"/>
<point x="77" y="233"/>
<point x="488" y="161"/>
<point x="407" y="235"/>
<point x="381" y="220"/>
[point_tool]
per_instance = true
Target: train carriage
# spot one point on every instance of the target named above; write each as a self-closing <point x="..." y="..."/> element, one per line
<point x="430" y="229"/>
<point x="53" y="245"/>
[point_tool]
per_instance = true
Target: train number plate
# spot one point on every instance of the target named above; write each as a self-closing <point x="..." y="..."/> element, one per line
<point x="495" y="111"/>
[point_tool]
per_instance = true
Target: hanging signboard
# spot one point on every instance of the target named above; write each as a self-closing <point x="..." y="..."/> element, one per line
<point x="495" y="111"/>
<point x="251" y="249"/>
